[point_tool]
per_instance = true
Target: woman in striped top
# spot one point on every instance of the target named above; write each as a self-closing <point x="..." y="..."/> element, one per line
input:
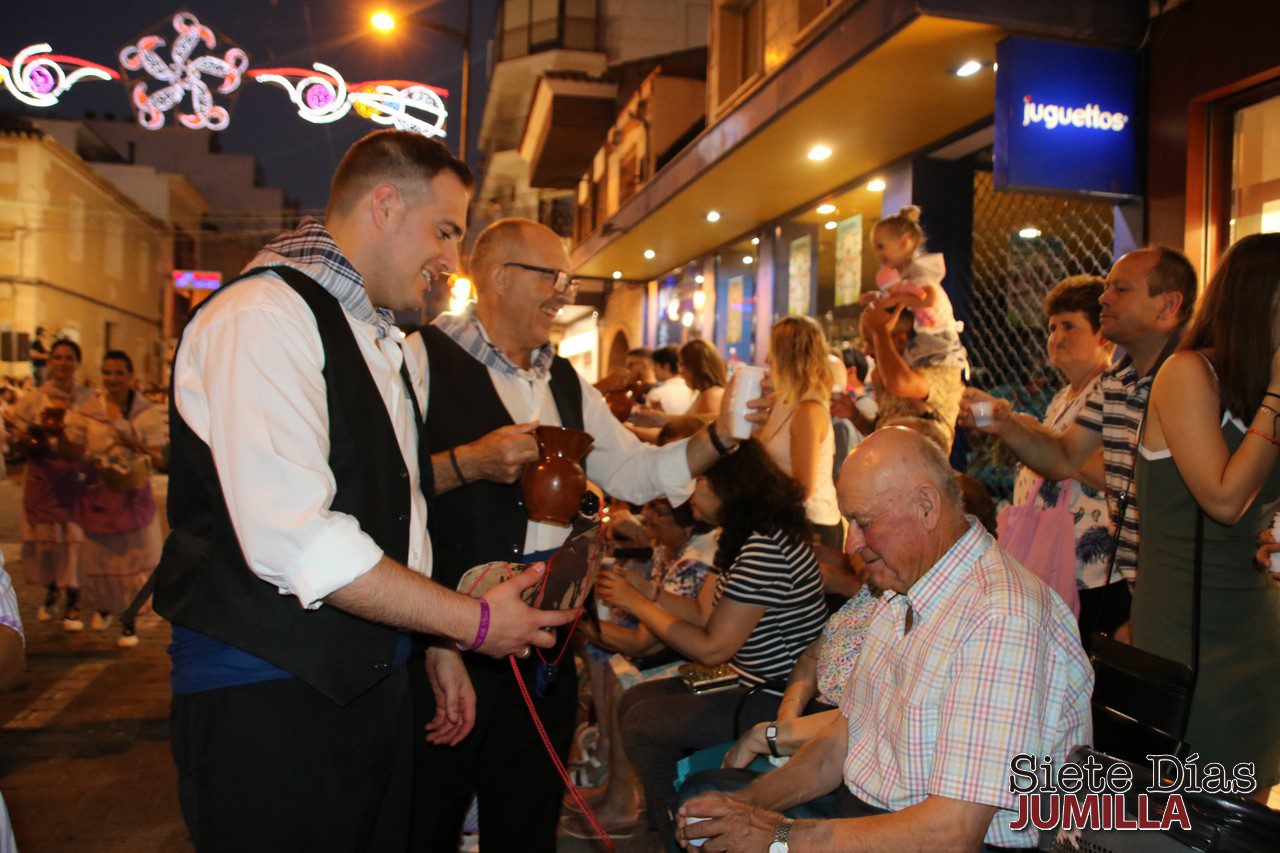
<point x="767" y="607"/>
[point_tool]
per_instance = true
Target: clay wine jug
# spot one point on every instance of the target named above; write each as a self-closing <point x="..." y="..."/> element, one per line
<point x="553" y="485"/>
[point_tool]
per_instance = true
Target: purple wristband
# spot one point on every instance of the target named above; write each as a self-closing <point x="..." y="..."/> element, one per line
<point x="481" y="632"/>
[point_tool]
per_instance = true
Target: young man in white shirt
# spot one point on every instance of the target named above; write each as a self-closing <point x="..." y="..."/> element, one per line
<point x="490" y="375"/>
<point x="298" y="560"/>
<point x="672" y="394"/>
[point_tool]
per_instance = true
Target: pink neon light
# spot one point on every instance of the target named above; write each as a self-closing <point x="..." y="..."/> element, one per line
<point x="71" y="60"/>
<point x="354" y="87"/>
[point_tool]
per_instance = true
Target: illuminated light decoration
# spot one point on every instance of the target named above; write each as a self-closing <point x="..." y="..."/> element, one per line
<point x="673" y="310"/>
<point x="182" y="74"/>
<point x="687" y="319"/>
<point x="36" y="76"/>
<point x="459" y="294"/>
<point x="322" y="96"/>
<point x="699" y="299"/>
<point x="876" y="185"/>
<point x="699" y="278"/>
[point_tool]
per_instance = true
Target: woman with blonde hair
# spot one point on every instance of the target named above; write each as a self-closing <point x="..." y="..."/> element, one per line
<point x="798" y="433"/>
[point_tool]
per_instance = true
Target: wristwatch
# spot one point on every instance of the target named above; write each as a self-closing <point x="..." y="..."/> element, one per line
<point x="780" y="837"/>
<point x="771" y="738"/>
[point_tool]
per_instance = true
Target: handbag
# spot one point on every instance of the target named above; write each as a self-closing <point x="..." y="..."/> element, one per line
<point x="1044" y="541"/>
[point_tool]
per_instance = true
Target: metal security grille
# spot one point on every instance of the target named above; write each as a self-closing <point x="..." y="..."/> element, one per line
<point x="1023" y="245"/>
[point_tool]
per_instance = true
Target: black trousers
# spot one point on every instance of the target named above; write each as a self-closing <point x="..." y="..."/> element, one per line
<point x="502" y="760"/>
<point x="278" y="766"/>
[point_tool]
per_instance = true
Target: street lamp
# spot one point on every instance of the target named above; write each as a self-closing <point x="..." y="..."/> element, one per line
<point x="384" y="21"/>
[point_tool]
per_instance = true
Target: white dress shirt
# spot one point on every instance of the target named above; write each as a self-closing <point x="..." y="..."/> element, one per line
<point x="674" y="395"/>
<point x="619" y="463"/>
<point x="248" y="381"/>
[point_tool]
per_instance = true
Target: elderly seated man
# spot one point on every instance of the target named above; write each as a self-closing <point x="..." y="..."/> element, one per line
<point x="968" y="661"/>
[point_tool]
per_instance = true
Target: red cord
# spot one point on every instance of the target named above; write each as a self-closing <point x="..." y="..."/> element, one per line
<point x="555" y="759"/>
<point x="537" y="723"/>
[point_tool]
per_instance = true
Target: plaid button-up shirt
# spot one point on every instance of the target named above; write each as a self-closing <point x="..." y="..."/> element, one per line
<point x="990" y="667"/>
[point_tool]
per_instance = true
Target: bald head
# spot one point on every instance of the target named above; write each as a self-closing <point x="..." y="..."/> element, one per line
<point x="904" y="506"/>
<point x="514" y="239"/>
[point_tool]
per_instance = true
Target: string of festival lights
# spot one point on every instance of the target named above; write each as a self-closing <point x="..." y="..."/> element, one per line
<point x="193" y="84"/>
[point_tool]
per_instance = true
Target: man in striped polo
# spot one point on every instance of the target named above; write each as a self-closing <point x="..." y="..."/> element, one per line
<point x="1149" y="297"/>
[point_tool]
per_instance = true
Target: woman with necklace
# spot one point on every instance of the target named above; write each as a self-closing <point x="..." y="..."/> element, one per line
<point x="123" y="439"/>
<point x="51" y="537"/>
<point x="1076" y="347"/>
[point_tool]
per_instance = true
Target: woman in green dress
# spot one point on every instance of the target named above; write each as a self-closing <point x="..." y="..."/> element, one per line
<point x="1210" y="442"/>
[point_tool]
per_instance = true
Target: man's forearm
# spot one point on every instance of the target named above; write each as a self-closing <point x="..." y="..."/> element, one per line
<point x="702" y="454"/>
<point x="937" y="823"/>
<point x="813" y="771"/>
<point x="393" y="594"/>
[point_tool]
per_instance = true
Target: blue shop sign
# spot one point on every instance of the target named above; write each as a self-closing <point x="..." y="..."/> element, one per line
<point x="1065" y="118"/>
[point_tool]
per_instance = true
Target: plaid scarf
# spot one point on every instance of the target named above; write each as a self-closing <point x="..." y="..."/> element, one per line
<point x="310" y="249"/>
<point x="468" y="332"/>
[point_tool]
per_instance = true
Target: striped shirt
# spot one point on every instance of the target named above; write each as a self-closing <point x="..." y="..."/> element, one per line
<point x="1115" y="409"/>
<point x="991" y="667"/>
<point x="781" y="575"/>
<point x="468" y="332"/>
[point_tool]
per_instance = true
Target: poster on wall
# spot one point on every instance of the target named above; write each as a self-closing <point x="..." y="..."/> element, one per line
<point x="733" y="324"/>
<point x="849" y="260"/>
<point x="798" y="269"/>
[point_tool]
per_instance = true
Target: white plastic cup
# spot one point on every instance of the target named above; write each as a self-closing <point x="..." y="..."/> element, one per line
<point x="1275" y="534"/>
<point x="983" y="413"/>
<point x="747" y="385"/>
<point x="697" y="842"/>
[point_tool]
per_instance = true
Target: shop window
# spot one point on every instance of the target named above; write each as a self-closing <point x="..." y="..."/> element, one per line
<point x="1255" y="170"/>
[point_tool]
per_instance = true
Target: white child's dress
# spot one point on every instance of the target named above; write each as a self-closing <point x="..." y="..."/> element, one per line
<point x="936" y="342"/>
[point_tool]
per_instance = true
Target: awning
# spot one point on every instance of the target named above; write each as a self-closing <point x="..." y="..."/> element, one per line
<point x="895" y="97"/>
<point x="568" y="121"/>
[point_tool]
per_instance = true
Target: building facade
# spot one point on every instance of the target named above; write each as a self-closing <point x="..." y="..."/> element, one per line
<point x="78" y="256"/>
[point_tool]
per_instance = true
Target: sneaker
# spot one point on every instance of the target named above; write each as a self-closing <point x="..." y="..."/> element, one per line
<point x="72" y="626"/>
<point x="43" y="614"/>
<point x="127" y="641"/>
<point x="98" y="622"/>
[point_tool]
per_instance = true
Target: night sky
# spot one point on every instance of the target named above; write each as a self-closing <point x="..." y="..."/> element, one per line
<point x="295" y="154"/>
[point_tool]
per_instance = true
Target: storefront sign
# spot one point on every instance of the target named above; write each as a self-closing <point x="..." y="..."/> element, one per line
<point x="733" y="318"/>
<point x="849" y="260"/>
<point x="1065" y="118"/>
<point x="799" y="284"/>
<point x="196" y="280"/>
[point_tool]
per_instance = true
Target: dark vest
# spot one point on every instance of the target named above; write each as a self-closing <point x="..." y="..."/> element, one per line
<point x="203" y="581"/>
<point x="483" y="521"/>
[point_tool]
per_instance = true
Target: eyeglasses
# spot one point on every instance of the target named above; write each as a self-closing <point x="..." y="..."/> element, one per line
<point x="561" y="280"/>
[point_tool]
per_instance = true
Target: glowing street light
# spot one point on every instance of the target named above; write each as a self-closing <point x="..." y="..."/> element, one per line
<point x="383" y="21"/>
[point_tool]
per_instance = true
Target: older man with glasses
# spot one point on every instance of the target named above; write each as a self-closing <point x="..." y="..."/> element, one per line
<point x="490" y="375"/>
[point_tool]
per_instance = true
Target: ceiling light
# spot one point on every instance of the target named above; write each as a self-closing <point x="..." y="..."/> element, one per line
<point x="713" y="216"/>
<point x="876" y="185"/>
<point x="699" y="299"/>
<point x="617" y="274"/>
<point x="968" y="69"/>
<point x="673" y="310"/>
<point x="824" y="209"/>
<point x="747" y="259"/>
<point x="699" y="278"/>
<point x="755" y="241"/>
<point x="687" y="319"/>
<point x="819" y="152"/>
<point x="650" y="254"/>
<point x="1029" y="233"/>
<point x="830" y="226"/>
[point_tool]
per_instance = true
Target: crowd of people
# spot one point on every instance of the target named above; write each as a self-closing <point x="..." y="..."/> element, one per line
<point x="878" y="643"/>
<point x="91" y="529"/>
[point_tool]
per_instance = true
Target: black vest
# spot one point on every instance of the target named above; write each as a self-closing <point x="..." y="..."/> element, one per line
<point x="483" y="521"/>
<point x="203" y="581"/>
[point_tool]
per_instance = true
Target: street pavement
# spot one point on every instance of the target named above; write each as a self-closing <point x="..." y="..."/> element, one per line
<point x="84" y="751"/>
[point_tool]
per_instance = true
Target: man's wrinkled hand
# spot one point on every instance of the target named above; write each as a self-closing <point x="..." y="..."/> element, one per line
<point x="501" y="455"/>
<point x="730" y="825"/>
